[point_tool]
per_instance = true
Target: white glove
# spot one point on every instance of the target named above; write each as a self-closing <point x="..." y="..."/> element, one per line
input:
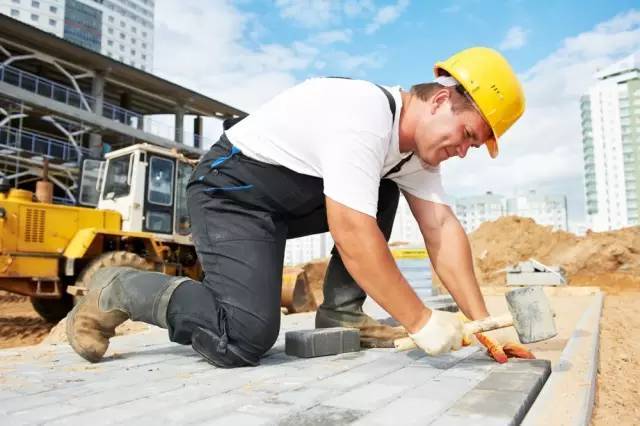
<point x="442" y="333"/>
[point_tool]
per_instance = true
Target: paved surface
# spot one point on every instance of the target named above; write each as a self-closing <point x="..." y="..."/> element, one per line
<point x="146" y="380"/>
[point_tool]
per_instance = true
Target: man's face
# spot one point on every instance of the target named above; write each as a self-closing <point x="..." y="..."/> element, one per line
<point x="442" y="133"/>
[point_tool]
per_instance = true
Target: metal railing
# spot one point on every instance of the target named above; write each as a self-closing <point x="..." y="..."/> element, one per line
<point x="70" y="96"/>
<point x="37" y="144"/>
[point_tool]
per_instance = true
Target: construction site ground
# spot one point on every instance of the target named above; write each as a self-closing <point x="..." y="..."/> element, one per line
<point x="144" y="374"/>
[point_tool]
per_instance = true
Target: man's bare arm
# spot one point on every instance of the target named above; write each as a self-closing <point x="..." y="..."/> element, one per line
<point x="450" y="254"/>
<point x="366" y="256"/>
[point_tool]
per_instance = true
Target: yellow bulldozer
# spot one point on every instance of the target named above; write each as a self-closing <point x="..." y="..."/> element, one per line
<point x="48" y="251"/>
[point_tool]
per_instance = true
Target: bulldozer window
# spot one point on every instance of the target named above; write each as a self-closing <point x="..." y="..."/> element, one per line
<point x="116" y="184"/>
<point x="183" y="223"/>
<point x="160" y="181"/>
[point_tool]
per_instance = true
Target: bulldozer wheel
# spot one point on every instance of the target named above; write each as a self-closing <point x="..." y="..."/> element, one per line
<point x="52" y="310"/>
<point x="112" y="258"/>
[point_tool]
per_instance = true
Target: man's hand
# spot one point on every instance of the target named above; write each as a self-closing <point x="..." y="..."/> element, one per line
<point x="502" y="352"/>
<point x="442" y="333"/>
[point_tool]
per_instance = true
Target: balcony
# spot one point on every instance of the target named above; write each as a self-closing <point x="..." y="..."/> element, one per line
<point x="36" y="144"/>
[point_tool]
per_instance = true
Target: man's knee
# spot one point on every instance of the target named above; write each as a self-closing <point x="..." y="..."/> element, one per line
<point x="255" y="334"/>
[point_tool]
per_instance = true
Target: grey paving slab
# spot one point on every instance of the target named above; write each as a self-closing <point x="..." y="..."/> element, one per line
<point x="147" y="380"/>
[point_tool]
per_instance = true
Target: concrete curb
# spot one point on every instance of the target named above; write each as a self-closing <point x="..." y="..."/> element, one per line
<point x="568" y="396"/>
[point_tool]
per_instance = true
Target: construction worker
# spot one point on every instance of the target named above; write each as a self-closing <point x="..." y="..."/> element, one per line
<point x="329" y="154"/>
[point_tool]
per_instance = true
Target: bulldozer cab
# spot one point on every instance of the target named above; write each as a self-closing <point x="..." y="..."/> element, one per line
<point x="146" y="184"/>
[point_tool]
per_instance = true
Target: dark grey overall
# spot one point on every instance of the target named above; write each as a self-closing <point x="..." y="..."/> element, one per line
<point x="242" y="212"/>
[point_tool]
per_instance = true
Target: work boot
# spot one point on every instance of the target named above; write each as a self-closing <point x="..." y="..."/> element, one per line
<point x="115" y="295"/>
<point x="342" y="307"/>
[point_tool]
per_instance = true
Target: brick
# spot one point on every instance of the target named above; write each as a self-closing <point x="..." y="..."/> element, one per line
<point x="405" y="410"/>
<point x="516" y="382"/>
<point x="322" y="342"/>
<point x="321" y="415"/>
<point x="449" y="420"/>
<point x="509" y="407"/>
<point x="366" y="397"/>
<point x="409" y="377"/>
<point x="243" y="419"/>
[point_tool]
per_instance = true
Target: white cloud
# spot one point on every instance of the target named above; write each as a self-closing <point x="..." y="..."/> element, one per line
<point x="353" y="8"/>
<point x="544" y="148"/>
<point x="516" y="38"/>
<point x="310" y="13"/>
<point x="330" y="37"/>
<point x="215" y="49"/>
<point x="386" y="15"/>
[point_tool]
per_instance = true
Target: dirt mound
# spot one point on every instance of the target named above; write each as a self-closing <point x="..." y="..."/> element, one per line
<point x="597" y="258"/>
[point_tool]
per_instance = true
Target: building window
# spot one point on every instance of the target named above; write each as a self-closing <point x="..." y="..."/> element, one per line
<point x="122" y="36"/>
<point x="53" y="9"/>
<point x="52" y="22"/>
<point x="144" y="45"/>
<point x="110" y="18"/>
<point x="110" y="42"/>
<point x="16" y="2"/>
<point x="34" y="17"/>
<point x="134" y="29"/>
<point x="110" y="30"/>
<point x="122" y="48"/>
<point x="144" y="34"/>
<point x="144" y="57"/>
<point x="133" y="41"/>
<point x="122" y="24"/>
<point x="35" y="3"/>
<point x="15" y="12"/>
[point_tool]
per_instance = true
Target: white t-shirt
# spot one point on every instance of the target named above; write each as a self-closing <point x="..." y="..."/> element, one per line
<point x="339" y="130"/>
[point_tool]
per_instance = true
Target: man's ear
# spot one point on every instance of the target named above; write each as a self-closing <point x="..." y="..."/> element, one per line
<point x="438" y="99"/>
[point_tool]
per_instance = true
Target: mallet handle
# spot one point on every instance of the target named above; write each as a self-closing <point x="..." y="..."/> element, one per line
<point x="479" y="326"/>
<point x="488" y="324"/>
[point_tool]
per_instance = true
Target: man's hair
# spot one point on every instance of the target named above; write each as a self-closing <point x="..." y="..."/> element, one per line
<point x="460" y="100"/>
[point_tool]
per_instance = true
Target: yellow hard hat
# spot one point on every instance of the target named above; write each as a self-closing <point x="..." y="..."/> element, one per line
<point x="488" y="78"/>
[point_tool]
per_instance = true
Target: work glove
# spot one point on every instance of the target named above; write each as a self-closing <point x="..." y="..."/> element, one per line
<point x="501" y="352"/>
<point x="497" y="351"/>
<point x="442" y="333"/>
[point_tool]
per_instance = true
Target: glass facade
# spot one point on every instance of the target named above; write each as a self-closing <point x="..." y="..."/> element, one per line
<point x="83" y="25"/>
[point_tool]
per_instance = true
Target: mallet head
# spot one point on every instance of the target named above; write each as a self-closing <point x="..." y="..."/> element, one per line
<point x="532" y="314"/>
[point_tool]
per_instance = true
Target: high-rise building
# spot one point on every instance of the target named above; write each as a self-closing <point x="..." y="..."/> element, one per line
<point x="545" y="209"/>
<point x="405" y="227"/>
<point x="472" y="211"/>
<point x="304" y="249"/>
<point x="611" y="146"/>
<point x="120" y="29"/>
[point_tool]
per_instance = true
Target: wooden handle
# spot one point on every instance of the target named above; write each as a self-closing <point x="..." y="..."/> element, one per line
<point x="473" y="327"/>
<point x="488" y="324"/>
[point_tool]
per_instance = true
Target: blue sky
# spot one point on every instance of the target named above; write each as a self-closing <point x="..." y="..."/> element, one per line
<point x="245" y="51"/>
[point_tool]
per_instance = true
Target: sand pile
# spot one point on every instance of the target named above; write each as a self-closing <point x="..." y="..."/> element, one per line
<point x="610" y="259"/>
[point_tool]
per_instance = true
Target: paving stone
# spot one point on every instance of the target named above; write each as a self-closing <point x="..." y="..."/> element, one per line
<point x="491" y="406"/>
<point x="43" y="413"/>
<point x="304" y="398"/>
<point x="405" y="410"/>
<point x="200" y="411"/>
<point x="243" y="419"/>
<point x="516" y="382"/>
<point x="366" y="397"/>
<point x="409" y="376"/>
<point x="474" y="419"/>
<point x="321" y="415"/>
<point x="146" y="375"/>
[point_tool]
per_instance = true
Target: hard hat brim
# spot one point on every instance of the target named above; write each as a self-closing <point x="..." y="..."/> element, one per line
<point x="492" y="146"/>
